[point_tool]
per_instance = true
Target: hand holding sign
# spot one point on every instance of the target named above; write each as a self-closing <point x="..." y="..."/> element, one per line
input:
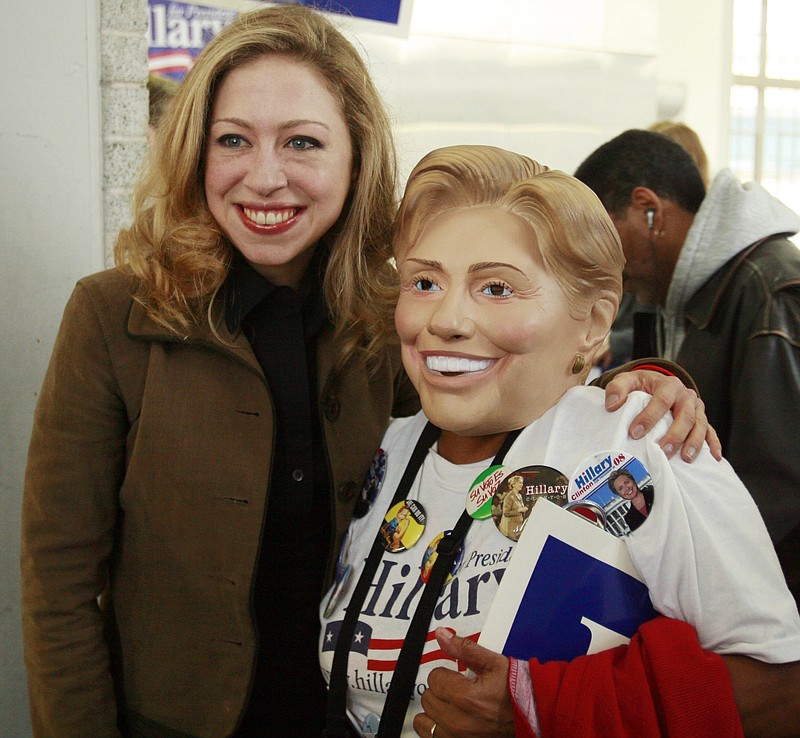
<point x="467" y="707"/>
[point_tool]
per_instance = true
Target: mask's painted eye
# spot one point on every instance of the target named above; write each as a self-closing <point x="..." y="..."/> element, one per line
<point x="426" y="285"/>
<point x="496" y="289"/>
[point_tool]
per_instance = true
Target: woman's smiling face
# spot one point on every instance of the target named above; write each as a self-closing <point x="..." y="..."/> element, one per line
<point x="278" y="164"/>
<point x="625" y="487"/>
<point x="487" y="336"/>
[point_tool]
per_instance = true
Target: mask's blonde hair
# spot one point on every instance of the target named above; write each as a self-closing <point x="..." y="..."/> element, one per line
<point x="176" y="248"/>
<point x="571" y="230"/>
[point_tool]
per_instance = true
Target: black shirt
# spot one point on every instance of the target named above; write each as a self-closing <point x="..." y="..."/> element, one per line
<point x="288" y="693"/>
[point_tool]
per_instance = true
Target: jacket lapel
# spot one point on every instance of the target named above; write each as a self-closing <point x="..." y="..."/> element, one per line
<point x="143" y="328"/>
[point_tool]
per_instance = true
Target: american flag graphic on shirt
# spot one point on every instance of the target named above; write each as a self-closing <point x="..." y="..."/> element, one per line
<point x="382" y="653"/>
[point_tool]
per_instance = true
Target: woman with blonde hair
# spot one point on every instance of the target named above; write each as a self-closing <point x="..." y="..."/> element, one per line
<point x="513" y="510"/>
<point x="213" y="403"/>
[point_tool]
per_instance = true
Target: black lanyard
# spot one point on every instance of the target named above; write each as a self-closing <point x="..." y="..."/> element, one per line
<point x="400" y="689"/>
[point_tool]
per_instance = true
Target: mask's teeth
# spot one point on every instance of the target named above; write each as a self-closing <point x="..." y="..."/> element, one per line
<point x="456" y="365"/>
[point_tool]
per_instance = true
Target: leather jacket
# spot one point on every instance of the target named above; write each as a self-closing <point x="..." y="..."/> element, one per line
<point x="742" y="348"/>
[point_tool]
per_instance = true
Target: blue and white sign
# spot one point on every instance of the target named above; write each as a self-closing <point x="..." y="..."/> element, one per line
<point x="178" y="32"/>
<point x="570" y="589"/>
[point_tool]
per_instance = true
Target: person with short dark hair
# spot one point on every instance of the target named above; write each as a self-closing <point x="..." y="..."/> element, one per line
<point x="725" y="278"/>
<point x="619" y="348"/>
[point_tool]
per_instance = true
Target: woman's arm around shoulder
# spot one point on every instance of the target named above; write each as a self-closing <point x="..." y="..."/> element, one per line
<point x="672" y="389"/>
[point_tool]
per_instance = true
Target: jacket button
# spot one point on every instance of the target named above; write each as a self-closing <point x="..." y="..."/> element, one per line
<point x="347" y="491"/>
<point x="332" y="408"/>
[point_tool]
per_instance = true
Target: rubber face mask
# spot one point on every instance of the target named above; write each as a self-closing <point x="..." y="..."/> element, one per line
<point x="486" y="332"/>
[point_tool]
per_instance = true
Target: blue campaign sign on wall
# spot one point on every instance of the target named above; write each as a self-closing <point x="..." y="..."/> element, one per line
<point x="177" y="33"/>
<point x="386" y="11"/>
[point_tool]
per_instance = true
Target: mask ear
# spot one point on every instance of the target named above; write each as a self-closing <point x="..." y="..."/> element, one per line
<point x="601" y="318"/>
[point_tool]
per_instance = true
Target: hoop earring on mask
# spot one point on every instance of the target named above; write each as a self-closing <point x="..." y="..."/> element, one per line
<point x="578" y="364"/>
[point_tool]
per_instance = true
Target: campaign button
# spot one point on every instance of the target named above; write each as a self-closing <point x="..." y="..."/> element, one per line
<point x="620" y="484"/>
<point x="337" y="589"/>
<point x="372" y="484"/>
<point x="403" y="526"/>
<point x="431" y="554"/>
<point x="482" y="491"/>
<point x="518" y="492"/>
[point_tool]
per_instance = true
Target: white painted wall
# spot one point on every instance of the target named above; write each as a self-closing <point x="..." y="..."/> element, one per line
<point x="551" y="79"/>
<point x="50" y="234"/>
<point x="694" y="52"/>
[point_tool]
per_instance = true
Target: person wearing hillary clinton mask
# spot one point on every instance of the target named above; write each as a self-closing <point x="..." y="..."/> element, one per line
<point x="510" y="279"/>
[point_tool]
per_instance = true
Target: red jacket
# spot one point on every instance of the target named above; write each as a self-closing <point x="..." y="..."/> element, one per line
<point x="661" y="684"/>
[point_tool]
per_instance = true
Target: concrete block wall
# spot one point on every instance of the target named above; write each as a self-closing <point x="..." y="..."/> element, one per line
<point x="123" y="43"/>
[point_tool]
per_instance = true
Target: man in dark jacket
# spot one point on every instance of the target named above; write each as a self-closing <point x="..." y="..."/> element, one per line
<point x="726" y="284"/>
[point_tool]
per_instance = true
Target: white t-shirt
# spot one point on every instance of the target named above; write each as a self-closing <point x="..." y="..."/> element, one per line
<point x="703" y="550"/>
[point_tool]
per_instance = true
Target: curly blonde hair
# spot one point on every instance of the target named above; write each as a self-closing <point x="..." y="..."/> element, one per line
<point x="571" y="230"/>
<point x="174" y="246"/>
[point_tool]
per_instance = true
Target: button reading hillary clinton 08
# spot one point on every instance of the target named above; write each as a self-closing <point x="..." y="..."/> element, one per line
<point x="620" y="484"/>
<point x="518" y="492"/>
<point x="403" y="525"/>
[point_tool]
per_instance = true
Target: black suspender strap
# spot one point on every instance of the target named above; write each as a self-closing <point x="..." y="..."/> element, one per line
<point x="336" y="722"/>
<point x="399" y="694"/>
<point x="408" y="662"/>
<point x="400" y="690"/>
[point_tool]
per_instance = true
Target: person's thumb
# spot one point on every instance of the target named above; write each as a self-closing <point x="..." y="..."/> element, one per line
<point x="476" y="658"/>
